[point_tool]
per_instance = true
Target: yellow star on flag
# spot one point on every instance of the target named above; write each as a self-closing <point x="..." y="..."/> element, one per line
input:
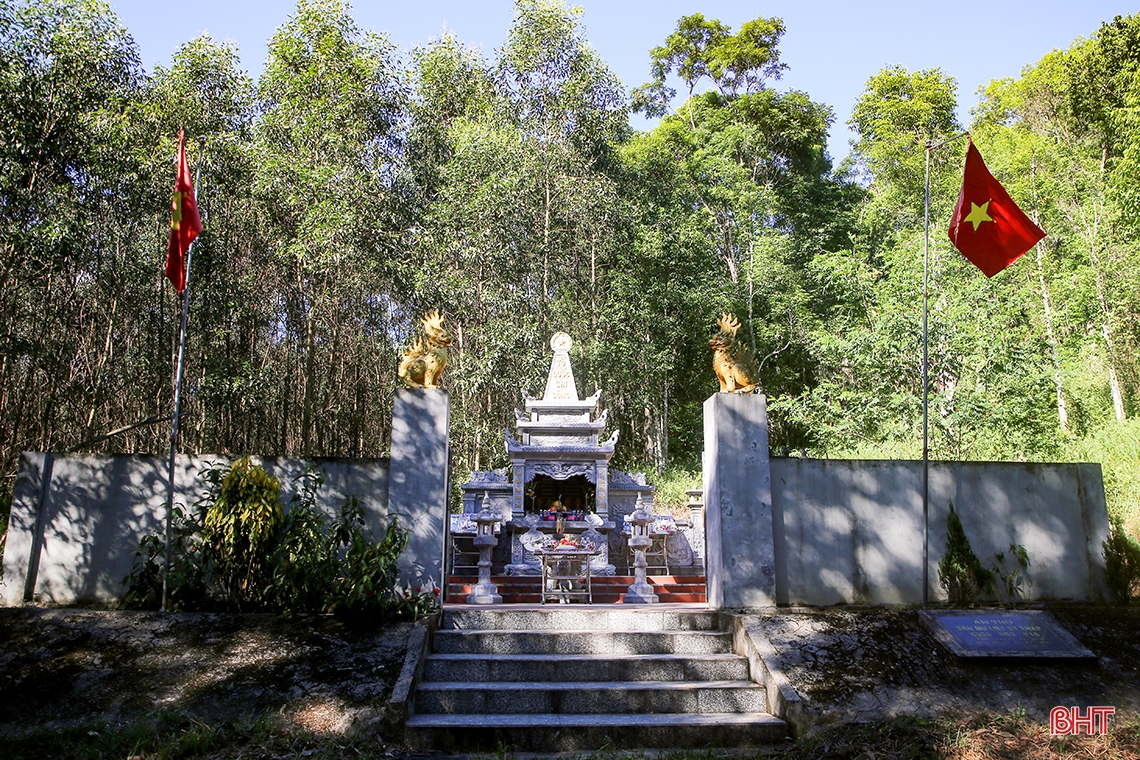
<point x="176" y="211"/>
<point x="978" y="214"/>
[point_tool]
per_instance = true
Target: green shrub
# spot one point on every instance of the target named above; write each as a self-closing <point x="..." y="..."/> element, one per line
<point x="960" y="571"/>
<point x="186" y="589"/>
<point x="239" y="532"/>
<point x="1122" y="563"/>
<point x="237" y="550"/>
<point x="1011" y="580"/>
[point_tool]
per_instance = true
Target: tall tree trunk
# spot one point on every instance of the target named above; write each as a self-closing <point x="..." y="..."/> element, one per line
<point x="1062" y="409"/>
<point x="308" y="381"/>
<point x="1090" y="228"/>
<point x="1050" y="336"/>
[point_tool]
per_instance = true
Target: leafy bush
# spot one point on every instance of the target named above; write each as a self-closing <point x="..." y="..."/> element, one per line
<point x="1122" y="563"/>
<point x="237" y="550"/>
<point x="960" y="571"/>
<point x="186" y="584"/>
<point x="239" y="531"/>
<point x="1011" y="580"/>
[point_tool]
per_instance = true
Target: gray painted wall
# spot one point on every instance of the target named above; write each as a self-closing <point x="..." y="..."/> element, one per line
<point x="850" y="531"/>
<point x="81" y="544"/>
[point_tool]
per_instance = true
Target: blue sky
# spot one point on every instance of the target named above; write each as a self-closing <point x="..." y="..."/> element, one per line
<point x="831" y="47"/>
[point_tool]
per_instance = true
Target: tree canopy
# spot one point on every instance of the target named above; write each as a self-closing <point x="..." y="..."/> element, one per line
<point x="352" y="187"/>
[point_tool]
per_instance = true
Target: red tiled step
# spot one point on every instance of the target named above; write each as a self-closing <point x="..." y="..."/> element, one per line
<point x="607" y="589"/>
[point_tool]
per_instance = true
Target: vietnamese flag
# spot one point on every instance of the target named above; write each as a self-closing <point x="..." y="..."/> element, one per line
<point x="988" y="227"/>
<point x="185" y="224"/>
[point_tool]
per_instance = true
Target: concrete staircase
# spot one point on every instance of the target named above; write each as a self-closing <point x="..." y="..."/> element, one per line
<point x="574" y="678"/>
<point x="524" y="589"/>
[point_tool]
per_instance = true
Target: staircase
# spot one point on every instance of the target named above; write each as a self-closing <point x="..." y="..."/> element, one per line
<point x="577" y="677"/>
<point x="524" y="589"/>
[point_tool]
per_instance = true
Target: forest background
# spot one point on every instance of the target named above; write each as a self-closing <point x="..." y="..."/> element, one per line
<point x="351" y="188"/>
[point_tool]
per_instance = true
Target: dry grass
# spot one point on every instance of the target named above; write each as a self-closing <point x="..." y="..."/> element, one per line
<point x="977" y="737"/>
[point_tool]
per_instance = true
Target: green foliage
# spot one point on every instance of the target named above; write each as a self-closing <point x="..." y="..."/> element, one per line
<point x="187" y="587"/>
<point x="701" y="48"/>
<point x="960" y="572"/>
<point x="1122" y="563"/>
<point x="671" y="483"/>
<point x="239" y="530"/>
<point x="1117" y="448"/>
<point x="1009" y="572"/>
<point x="351" y="188"/>
<point x="236" y="551"/>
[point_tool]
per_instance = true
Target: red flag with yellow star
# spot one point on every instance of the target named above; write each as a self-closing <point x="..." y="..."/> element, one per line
<point x="185" y="224"/>
<point x="988" y="227"/>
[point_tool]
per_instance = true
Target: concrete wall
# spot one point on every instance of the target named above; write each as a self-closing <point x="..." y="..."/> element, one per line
<point x="738" y="498"/>
<point x="75" y="539"/>
<point x="421" y="462"/>
<point x="850" y="531"/>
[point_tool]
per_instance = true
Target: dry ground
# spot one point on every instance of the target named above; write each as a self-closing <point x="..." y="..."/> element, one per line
<point x="97" y="684"/>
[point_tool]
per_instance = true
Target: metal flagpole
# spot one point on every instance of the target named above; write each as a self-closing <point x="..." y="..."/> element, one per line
<point x="178" y="386"/>
<point x="925" y="394"/>
<point x="930" y="146"/>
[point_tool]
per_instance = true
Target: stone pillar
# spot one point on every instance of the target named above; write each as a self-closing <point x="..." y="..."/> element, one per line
<point x="696" y="534"/>
<point x="418" y="482"/>
<point x="602" y="490"/>
<point x="740" y="546"/>
<point x="518" y="481"/>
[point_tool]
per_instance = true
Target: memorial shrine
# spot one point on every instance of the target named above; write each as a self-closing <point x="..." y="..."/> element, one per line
<point x="560" y="483"/>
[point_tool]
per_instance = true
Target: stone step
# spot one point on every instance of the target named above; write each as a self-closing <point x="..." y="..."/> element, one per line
<point x="587" y="732"/>
<point x="581" y="641"/>
<point x="582" y="667"/>
<point x="590" y="697"/>
<point x="577" y="617"/>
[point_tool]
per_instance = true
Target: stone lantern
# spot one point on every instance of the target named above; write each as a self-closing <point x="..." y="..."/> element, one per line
<point x="640" y="592"/>
<point x="485" y="540"/>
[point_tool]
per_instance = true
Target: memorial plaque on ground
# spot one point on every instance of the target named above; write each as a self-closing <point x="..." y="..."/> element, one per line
<point x="1004" y="633"/>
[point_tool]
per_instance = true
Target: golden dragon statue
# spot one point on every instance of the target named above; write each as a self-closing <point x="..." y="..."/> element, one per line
<point x="733" y="362"/>
<point x="424" y="360"/>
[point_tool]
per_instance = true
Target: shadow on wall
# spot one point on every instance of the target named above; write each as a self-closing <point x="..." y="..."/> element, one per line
<point x="75" y="540"/>
<point x="850" y="532"/>
<point x="419" y="490"/>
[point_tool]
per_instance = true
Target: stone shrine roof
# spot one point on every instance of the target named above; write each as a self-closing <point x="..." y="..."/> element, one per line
<point x="560" y="423"/>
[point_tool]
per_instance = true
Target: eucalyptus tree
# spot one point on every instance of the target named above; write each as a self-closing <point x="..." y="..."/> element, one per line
<point x="328" y="145"/>
<point x="989" y="367"/>
<point x="1069" y="124"/>
<point x="68" y="70"/>
<point x="512" y="158"/>
<point x="205" y="92"/>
